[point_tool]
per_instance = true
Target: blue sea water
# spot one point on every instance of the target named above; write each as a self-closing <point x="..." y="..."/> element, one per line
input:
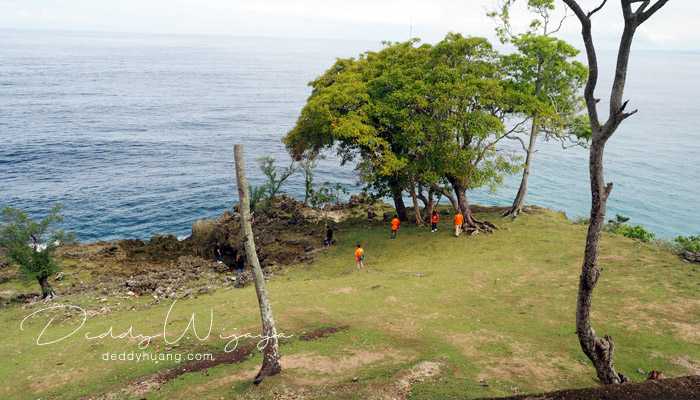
<point x="134" y="133"/>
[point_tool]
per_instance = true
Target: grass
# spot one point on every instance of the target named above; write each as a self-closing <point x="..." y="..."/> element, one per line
<point x="496" y="312"/>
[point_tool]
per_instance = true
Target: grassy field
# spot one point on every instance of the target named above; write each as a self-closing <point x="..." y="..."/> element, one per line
<point x="431" y="317"/>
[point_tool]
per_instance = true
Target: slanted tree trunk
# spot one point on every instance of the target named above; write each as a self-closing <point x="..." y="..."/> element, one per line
<point x="519" y="200"/>
<point x="271" y="355"/>
<point x="450" y="196"/>
<point x="416" y="208"/>
<point x="600" y="351"/>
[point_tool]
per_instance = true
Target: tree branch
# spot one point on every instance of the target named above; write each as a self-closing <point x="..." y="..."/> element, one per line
<point x="595" y="10"/>
<point x="654" y="8"/>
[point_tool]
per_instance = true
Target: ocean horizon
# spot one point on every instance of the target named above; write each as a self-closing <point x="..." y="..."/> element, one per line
<point x="134" y="133"/>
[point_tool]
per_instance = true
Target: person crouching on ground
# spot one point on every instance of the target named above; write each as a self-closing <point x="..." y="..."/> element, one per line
<point x="328" y="241"/>
<point x="434" y="218"/>
<point x="359" y="256"/>
<point x="459" y="220"/>
<point x="394" y="226"/>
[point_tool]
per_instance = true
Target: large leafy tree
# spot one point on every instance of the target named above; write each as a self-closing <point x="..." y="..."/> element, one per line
<point x="415" y="115"/>
<point x="600" y="350"/>
<point x="544" y="67"/>
<point x="31" y="244"/>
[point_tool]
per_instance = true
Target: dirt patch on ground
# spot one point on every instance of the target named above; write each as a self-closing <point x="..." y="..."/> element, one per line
<point x="683" y="388"/>
<point x="325" y="369"/>
<point x="322" y="332"/>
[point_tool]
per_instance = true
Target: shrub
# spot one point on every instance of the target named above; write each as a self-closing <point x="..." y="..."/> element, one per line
<point x="690" y="243"/>
<point x="635" y="232"/>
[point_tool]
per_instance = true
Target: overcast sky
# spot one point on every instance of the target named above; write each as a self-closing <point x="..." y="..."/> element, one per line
<point x="675" y="27"/>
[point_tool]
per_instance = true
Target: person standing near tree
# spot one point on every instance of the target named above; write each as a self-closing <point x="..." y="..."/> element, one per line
<point x="434" y="219"/>
<point x="359" y="256"/>
<point x="394" y="226"/>
<point x="459" y="221"/>
<point x="240" y="263"/>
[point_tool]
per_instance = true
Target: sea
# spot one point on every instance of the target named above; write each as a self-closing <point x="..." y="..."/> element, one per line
<point x="133" y="133"/>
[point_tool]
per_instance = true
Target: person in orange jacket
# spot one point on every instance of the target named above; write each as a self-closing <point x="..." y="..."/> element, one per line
<point x="359" y="256"/>
<point x="459" y="221"/>
<point x="434" y="219"/>
<point x="394" y="226"/>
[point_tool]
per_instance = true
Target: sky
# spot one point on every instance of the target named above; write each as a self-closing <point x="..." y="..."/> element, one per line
<point x="674" y="27"/>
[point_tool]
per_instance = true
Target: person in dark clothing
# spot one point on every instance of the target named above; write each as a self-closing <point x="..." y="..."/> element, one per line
<point x="217" y="252"/>
<point x="240" y="263"/>
<point x="328" y="241"/>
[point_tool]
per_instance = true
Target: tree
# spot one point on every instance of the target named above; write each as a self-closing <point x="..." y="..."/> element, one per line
<point x="600" y="351"/>
<point x="271" y="354"/>
<point x="415" y="116"/>
<point x="273" y="184"/>
<point x="32" y="245"/>
<point x="307" y="164"/>
<point x="543" y="67"/>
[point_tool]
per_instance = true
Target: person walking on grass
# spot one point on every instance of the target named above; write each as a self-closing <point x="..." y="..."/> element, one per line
<point x="394" y="226"/>
<point x="359" y="256"/>
<point x="459" y="220"/>
<point x="434" y="218"/>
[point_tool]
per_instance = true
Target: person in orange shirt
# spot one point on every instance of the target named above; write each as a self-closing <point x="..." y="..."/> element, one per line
<point x="359" y="256"/>
<point x="459" y="220"/>
<point x="394" y="226"/>
<point x="434" y="219"/>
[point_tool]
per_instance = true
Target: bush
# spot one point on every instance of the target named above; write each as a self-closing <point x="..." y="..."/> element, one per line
<point x="690" y="243"/>
<point x="634" y="232"/>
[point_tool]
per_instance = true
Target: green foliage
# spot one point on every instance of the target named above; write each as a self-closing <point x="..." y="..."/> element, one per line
<point x="325" y="196"/>
<point x="273" y="184"/>
<point x="689" y="243"/>
<point x="544" y="67"/>
<point x="635" y="232"/>
<point x="31" y="244"/>
<point x="618" y="226"/>
<point x="309" y="162"/>
<point x="431" y="112"/>
<point x="256" y="194"/>
<point x="583" y="220"/>
<point x="614" y="224"/>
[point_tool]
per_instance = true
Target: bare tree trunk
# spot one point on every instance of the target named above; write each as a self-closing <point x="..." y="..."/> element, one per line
<point x="46" y="290"/>
<point x="271" y="355"/>
<point x="470" y="224"/>
<point x="519" y="200"/>
<point x="600" y="351"/>
<point x="416" y="208"/>
<point x="398" y="203"/>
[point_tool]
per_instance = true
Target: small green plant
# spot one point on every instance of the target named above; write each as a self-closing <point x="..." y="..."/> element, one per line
<point x="690" y="243"/>
<point x="273" y="184"/>
<point x="614" y="224"/>
<point x="583" y="220"/>
<point x="256" y="194"/>
<point x="618" y="226"/>
<point x="325" y="196"/>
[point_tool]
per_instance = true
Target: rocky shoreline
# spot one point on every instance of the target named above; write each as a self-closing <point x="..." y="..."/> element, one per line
<point x="165" y="267"/>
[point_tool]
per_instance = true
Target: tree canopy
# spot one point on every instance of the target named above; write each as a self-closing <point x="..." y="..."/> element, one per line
<point x="416" y="114"/>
